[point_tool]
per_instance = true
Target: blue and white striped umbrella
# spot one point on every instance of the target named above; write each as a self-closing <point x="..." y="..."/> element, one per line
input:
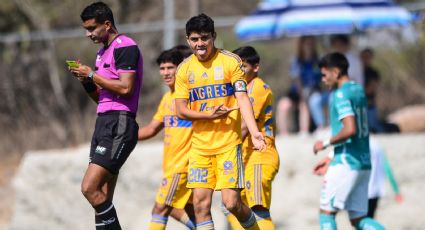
<point x="279" y="18"/>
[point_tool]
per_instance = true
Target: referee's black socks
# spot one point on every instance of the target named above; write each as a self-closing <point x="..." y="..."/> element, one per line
<point x="106" y="217"/>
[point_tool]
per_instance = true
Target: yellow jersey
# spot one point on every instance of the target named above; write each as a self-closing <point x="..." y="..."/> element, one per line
<point x="261" y="98"/>
<point x="207" y="85"/>
<point x="177" y="134"/>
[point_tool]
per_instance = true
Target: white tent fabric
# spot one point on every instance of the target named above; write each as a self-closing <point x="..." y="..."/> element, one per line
<point x="279" y="18"/>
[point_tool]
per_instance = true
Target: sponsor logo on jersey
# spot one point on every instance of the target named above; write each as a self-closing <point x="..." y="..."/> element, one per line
<point x="100" y="150"/>
<point x="232" y="179"/>
<point x="191" y="78"/>
<point x="228" y="165"/>
<point x="109" y="221"/>
<point x="174" y="121"/>
<point x="210" y="91"/>
<point x="204" y="76"/>
<point x="218" y="73"/>
<point x="205" y="108"/>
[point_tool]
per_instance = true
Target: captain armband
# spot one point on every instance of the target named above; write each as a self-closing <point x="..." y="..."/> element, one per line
<point x="240" y="86"/>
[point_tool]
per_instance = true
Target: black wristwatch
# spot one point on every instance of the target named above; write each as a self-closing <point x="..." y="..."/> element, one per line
<point x="91" y="75"/>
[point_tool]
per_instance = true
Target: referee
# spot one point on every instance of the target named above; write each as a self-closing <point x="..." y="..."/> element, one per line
<point x="114" y="84"/>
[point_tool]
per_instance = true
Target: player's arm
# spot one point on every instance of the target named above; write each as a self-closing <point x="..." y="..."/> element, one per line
<point x="349" y="129"/>
<point x="94" y="95"/>
<point x="123" y="86"/>
<point x="248" y="116"/>
<point x="393" y="182"/>
<point x="247" y="111"/>
<point x="257" y="110"/>
<point x="150" y="130"/>
<point x="244" y="130"/>
<point x="183" y="112"/>
<point x="89" y="86"/>
<point x="126" y="62"/>
<point x="322" y="166"/>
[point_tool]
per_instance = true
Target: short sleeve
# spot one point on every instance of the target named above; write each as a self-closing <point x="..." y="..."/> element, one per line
<point x="343" y="105"/>
<point x="160" y="113"/>
<point x="238" y="77"/>
<point x="126" y="58"/>
<point x="237" y="73"/>
<point x="261" y="97"/>
<point x="181" y="85"/>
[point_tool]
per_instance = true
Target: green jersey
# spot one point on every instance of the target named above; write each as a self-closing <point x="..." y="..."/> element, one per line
<point x="350" y="100"/>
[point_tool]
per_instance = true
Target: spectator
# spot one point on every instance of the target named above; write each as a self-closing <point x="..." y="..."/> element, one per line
<point x="341" y="43"/>
<point x="372" y="79"/>
<point x="305" y="77"/>
<point x="371" y="84"/>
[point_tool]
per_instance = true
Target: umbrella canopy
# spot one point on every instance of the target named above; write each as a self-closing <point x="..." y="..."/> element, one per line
<point x="278" y="18"/>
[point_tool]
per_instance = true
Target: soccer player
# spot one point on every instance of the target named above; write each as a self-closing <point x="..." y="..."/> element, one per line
<point x="185" y="50"/>
<point x="345" y="184"/>
<point x="211" y="91"/>
<point x="260" y="167"/>
<point x="173" y="195"/>
<point x="114" y="84"/>
<point x="381" y="169"/>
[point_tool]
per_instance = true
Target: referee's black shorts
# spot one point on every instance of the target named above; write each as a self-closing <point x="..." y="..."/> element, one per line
<point x="114" y="138"/>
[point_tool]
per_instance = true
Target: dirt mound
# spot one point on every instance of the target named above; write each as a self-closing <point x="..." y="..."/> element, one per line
<point x="409" y="119"/>
<point x="48" y="193"/>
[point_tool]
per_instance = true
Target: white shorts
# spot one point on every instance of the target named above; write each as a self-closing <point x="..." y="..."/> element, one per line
<point x="345" y="188"/>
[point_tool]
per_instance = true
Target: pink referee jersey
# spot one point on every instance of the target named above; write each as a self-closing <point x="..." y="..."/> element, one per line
<point x="121" y="56"/>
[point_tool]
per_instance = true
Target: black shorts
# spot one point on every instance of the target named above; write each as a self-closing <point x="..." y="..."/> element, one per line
<point x="114" y="137"/>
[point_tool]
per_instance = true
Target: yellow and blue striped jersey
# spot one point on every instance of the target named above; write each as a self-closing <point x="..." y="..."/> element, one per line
<point x="207" y="85"/>
<point x="177" y="134"/>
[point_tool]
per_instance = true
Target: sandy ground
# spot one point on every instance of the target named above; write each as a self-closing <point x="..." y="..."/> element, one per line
<point x="46" y="194"/>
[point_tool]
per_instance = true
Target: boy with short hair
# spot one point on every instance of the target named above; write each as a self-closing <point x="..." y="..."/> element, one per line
<point x="173" y="196"/>
<point x="260" y="167"/>
<point x="210" y="90"/>
<point x="345" y="185"/>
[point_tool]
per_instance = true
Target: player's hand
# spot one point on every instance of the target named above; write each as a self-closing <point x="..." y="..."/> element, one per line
<point x="82" y="72"/>
<point x="221" y="111"/>
<point x="399" y="198"/>
<point x="318" y="146"/>
<point x="322" y="166"/>
<point x="258" y="141"/>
